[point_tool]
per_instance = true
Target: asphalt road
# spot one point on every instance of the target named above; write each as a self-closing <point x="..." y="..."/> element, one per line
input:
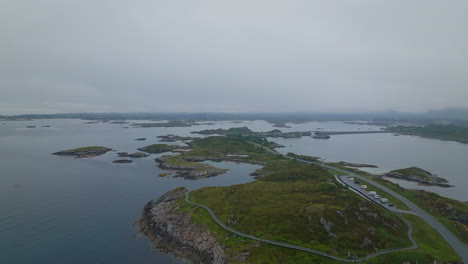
<point x="276" y="243"/>
<point x="458" y="247"/>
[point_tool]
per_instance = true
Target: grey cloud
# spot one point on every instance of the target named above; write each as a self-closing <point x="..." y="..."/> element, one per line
<point x="257" y="55"/>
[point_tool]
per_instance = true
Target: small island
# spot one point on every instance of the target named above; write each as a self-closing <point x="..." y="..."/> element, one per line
<point x="357" y="165"/>
<point x="245" y="131"/>
<point x="173" y="138"/>
<point x="419" y="175"/>
<point x="188" y="169"/>
<point x="158" y="148"/>
<point x="122" y="161"/>
<point x="134" y="155"/>
<point x="173" y="123"/>
<point x="84" y="152"/>
<point x="321" y="136"/>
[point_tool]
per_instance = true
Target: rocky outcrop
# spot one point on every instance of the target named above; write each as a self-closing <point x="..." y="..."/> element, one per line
<point x="158" y="148"/>
<point x="173" y="138"/>
<point x="418" y="175"/>
<point x="188" y="169"/>
<point x="122" y="161"/>
<point x="245" y="131"/>
<point x="321" y="136"/>
<point x="85" y="152"/>
<point x="176" y="232"/>
<point x="357" y="165"/>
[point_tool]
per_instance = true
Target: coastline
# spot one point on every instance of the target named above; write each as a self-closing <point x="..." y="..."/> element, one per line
<point x="176" y="232"/>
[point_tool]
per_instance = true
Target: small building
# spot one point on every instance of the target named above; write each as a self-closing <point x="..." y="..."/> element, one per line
<point x="363" y="186"/>
<point x="384" y="200"/>
<point x="372" y="193"/>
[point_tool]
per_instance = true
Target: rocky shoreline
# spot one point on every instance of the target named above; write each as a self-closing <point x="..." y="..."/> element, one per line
<point x="176" y="232"/>
<point x="85" y="152"/>
<point x="418" y="175"/>
<point x="188" y="169"/>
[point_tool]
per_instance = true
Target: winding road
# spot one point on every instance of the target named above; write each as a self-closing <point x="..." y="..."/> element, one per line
<point x="276" y="243"/>
<point x="458" y="247"/>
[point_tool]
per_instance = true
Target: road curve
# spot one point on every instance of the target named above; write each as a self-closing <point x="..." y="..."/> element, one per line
<point x="458" y="247"/>
<point x="276" y="243"/>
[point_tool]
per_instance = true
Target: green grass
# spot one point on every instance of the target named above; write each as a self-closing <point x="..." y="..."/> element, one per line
<point x="397" y="203"/>
<point x="157" y="148"/>
<point x="87" y="148"/>
<point x="295" y="202"/>
<point x="414" y="172"/>
<point x="291" y="203"/>
<point x="440" y="207"/>
<point x="451" y="132"/>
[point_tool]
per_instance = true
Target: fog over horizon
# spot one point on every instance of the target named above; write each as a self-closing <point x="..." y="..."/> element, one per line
<point x="232" y="56"/>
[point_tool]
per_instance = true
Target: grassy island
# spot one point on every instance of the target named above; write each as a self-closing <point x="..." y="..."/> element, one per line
<point x="245" y="131"/>
<point x="418" y="175"/>
<point x="299" y="204"/>
<point x="84" y="152"/>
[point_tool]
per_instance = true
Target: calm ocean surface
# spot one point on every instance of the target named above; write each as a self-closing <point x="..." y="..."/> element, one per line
<point x="63" y="210"/>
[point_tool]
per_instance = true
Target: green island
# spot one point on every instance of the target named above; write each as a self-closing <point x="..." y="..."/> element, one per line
<point x="122" y="161"/>
<point x="158" y="148"/>
<point x="134" y="155"/>
<point x="290" y="202"/>
<point x="84" y="152"/>
<point x="452" y="213"/>
<point x="172" y="123"/>
<point x="418" y="175"/>
<point x="173" y="138"/>
<point x="188" y="164"/>
<point x="245" y="131"/>
<point x="453" y="132"/>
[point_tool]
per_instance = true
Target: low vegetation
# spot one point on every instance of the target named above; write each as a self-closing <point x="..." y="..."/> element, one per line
<point x="452" y="213"/>
<point x="84" y="152"/>
<point x="418" y="175"/>
<point x="245" y="131"/>
<point x="452" y="132"/>
<point x="302" y="205"/>
<point x="299" y="204"/>
<point x="157" y="148"/>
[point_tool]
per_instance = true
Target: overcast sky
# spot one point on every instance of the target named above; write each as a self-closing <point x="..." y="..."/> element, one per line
<point x="232" y="56"/>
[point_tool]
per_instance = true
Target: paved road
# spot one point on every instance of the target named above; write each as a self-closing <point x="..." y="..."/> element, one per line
<point x="344" y="179"/>
<point x="276" y="243"/>
<point x="458" y="247"/>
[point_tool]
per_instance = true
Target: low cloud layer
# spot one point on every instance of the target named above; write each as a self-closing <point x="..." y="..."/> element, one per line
<point x="232" y="56"/>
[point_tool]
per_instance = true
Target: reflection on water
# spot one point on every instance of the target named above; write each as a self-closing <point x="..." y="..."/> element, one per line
<point x="446" y="159"/>
<point x="62" y="210"/>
